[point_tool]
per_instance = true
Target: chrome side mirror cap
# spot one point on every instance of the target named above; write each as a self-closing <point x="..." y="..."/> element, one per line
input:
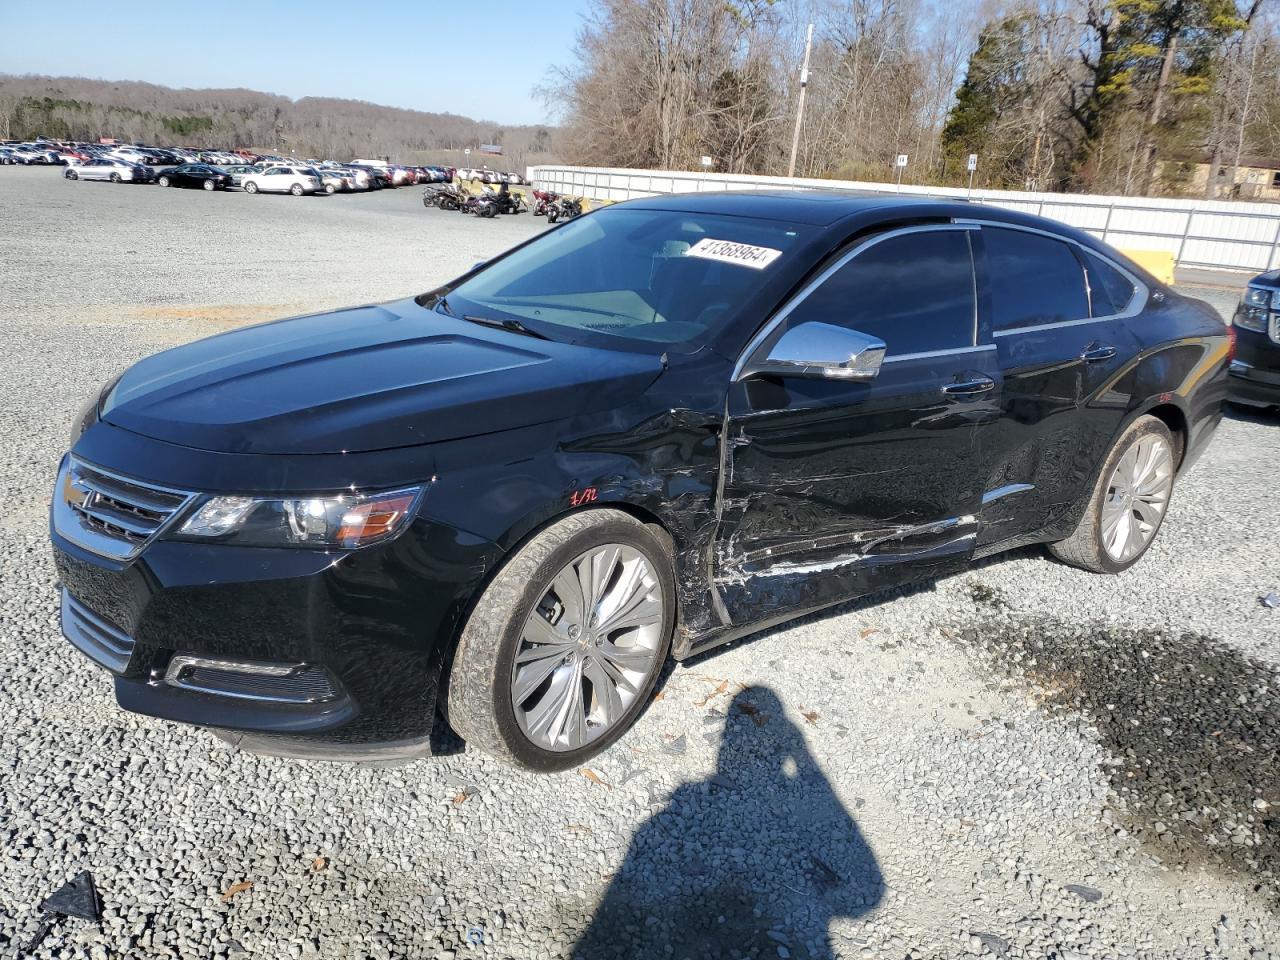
<point x="820" y="351"/>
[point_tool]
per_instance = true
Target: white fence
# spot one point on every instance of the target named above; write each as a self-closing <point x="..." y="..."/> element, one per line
<point x="1199" y="233"/>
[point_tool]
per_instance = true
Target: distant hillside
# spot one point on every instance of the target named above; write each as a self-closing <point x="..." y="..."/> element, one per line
<point x="81" y="109"/>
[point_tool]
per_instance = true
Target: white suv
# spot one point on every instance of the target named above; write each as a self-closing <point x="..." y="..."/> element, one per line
<point x="280" y="179"/>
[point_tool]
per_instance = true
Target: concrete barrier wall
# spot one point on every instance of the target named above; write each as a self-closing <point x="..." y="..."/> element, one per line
<point x="1224" y="235"/>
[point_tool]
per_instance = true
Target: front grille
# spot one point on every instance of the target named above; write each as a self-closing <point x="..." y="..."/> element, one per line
<point x="98" y="639"/>
<point x="109" y="514"/>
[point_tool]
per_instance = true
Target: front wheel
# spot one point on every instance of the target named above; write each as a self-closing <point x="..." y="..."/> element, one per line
<point x="329" y="188"/>
<point x="209" y="184"/>
<point x="1128" y="501"/>
<point x="250" y="187"/>
<point x="115" y="178"/>
<point x="561" y="652"/>
<point x="71" y="175"/>
<point x="165" y="181"/>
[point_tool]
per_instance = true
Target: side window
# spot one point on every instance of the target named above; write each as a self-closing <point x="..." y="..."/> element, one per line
<point x="1109" y="290"/>
<point x="1034" y="280"/>
<point x="914" y="292"/>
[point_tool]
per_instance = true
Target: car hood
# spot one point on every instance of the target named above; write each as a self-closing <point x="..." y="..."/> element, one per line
<point x="369" y="378"/>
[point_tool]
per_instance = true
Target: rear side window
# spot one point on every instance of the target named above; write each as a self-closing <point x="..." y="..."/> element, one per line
<point x="1034" y="280"/>
<point x="1109" y="290"/>
<point x="914" y="292"/>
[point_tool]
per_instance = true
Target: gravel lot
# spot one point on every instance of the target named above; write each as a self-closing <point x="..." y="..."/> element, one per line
<point x="1021" y="761"/>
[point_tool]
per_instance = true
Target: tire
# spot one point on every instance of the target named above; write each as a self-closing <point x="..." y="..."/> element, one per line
<point x="296" y="189"/>
<point x="330" y="189"/>
<point x="250" y="187"/>
<point x="165" y="181"/>
<point x="209" y="185"/>
<point x="553" y="214"/>
<point x="1114" y="533"/>
<point x="115" y="178"/>
<point x="71" y="175"/>
<point x="479" y="698"/>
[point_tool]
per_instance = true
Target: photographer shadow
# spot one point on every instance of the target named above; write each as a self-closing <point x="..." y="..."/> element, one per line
<point x="762" y="855"/>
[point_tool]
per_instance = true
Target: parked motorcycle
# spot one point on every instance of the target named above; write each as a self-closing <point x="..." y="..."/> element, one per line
<point x="566" y="208"/>
<point x="541" y="200"/>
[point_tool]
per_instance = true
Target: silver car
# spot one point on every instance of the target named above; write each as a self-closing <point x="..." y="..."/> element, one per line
<point x="117" y="171"/>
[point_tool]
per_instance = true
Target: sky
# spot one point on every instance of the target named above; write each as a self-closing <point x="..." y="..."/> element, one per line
<point x="423" y="55"/>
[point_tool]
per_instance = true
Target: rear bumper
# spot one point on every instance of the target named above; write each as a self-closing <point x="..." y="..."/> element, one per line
<point x="1253" y="387"/>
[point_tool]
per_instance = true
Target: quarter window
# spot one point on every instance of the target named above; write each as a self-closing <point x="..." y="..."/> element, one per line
<point x="913" y="291"/>
<point x="1109" y="290"/>
<point x="1034" y="280"/>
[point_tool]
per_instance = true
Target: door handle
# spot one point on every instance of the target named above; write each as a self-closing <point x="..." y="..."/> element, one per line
<point x="967" y="388"/>
<point x="1098" y="351"/>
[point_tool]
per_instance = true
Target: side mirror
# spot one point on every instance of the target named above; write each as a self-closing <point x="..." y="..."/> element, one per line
<point x="820" y="351"/>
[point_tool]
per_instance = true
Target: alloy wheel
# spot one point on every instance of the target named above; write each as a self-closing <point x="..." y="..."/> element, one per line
<point x="588" y="648"/>
<point x="1137" y="497"/>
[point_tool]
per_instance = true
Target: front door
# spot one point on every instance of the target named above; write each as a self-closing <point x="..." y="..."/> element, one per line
<point x="834" y="488"/>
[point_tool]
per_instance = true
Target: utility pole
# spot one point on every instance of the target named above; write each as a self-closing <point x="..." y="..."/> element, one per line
<point x="804" y="82"/>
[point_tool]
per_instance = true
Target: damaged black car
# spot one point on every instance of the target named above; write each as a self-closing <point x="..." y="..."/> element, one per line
<point x="643" y="433"/>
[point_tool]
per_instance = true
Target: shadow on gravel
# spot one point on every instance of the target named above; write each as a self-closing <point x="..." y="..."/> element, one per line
<point x="1194" y="726"/>
<point x="760" y="856"/>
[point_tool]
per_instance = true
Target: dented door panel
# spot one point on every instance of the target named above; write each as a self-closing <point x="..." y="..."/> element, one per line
<point x="834" y="489"/>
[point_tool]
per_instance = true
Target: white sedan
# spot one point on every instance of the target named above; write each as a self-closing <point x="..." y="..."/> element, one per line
<point x="280" y="179"/>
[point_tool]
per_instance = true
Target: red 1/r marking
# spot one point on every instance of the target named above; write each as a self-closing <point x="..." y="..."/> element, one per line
<point x="579" y="497"/>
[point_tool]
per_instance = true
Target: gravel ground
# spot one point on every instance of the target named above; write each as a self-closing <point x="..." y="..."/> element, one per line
<point x="1020" y="761"/>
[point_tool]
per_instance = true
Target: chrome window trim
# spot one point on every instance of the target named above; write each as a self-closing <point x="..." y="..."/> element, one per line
<point x="785" y="311"/>
<point x="1137" y="303"/>
<point x="926" y="354"/>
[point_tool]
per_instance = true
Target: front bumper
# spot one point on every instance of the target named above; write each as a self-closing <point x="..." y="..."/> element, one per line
<point x="364" y="633"/>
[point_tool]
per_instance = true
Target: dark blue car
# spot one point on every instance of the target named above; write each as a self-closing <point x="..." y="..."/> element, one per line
<point x="1255" y="370"/>
<point x="645" y="432"/>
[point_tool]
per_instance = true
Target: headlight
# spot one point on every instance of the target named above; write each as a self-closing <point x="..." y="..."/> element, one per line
<point x="1252" y="312"/>
<point x="343" y="521"/>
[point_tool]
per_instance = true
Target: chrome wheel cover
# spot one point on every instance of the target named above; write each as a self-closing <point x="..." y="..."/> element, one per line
<point x="587" y="648"/>
<point x="1137" y="497"/>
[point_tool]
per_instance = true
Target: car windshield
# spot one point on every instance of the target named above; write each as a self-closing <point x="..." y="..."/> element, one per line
<point x="656" y="278"/>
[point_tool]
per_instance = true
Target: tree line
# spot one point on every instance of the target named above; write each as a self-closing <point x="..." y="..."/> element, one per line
<point x="1110" y="96"/>
<point x="76" y="108"/>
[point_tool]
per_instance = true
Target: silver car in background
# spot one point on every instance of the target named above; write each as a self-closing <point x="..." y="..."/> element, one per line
<point x="116" y="171"/>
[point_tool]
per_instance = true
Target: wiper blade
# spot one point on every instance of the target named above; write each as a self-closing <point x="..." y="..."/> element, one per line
<point x="515" y="326"/>
<point x="443" y="301"/>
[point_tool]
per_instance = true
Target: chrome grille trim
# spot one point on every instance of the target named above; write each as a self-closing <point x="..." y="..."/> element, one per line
<point x="111" y="515"/>
<point x="97" y="638"/>
<point x="1273" y="326"/>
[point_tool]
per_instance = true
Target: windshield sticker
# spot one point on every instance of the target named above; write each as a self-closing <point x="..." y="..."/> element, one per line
<point x="726" y="251"/>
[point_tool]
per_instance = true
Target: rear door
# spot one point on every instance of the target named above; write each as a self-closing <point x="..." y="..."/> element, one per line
<point x="835" y="488"/>
<point x="1064" y="352"/>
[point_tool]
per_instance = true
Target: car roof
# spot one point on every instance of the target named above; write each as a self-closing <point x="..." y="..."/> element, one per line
<point x="844" y="210"/>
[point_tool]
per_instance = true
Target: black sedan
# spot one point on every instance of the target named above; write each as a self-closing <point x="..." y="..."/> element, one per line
<point x="194" y="175"/>
<point x="1255" y="370"/>
<point x="656" y="428"/>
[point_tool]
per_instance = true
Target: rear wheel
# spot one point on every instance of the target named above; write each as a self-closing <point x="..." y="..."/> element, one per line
<point x="250" y="187"/>
<point x="561" y="652"/>
<point x="1127" y="504"/>
<point x="71" y="175"/>
<point x="209" y="184"/>
<point x="296" y="189"/>
<point x="165" y="181"/>
<point x="115" y="178"/>
<point x="330" y="189"/>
